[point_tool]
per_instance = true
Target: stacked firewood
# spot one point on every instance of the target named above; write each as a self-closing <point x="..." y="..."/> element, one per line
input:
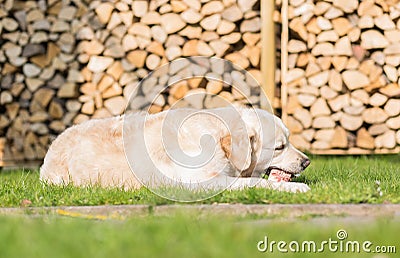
<point x="196" y="82"/>
<point x="40" y="74"/>
<point x="342" y="75"/>
<point x="64" y="62"/>
<point x="153" y="34"/>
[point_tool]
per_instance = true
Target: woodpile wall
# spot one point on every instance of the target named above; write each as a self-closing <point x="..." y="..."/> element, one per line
<point x="64" y="62"/>
<point x="341" y="75"/>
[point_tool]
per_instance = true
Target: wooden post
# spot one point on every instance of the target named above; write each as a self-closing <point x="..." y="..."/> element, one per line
<point x="268" y="55"/>
<point x="284" y="57"/>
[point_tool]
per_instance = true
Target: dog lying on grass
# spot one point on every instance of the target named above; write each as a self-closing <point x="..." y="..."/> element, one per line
<point x="224" y="148"/>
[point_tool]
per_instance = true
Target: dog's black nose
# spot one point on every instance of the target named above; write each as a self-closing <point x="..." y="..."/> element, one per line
<point x="305" y="163"/>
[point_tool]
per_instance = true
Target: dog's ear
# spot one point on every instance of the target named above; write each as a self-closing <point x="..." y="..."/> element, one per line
<point x="238" y="149"/>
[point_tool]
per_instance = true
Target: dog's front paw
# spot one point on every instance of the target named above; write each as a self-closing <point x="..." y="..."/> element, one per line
<point x="299" y="188"/>
<point x="291" y="187"/>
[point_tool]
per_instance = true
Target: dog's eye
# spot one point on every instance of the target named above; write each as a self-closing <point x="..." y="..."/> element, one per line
<point x="280" y="147"/>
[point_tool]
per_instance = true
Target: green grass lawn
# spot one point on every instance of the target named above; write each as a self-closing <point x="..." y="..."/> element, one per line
<point x="183" y="236"/>
<point x="332" y="180"/>
<point x="187" y="234"/>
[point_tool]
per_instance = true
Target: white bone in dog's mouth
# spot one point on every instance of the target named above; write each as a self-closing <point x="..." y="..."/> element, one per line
<point x="279" y="175"/>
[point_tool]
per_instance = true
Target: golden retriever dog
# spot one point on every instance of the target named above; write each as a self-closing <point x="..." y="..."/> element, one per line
<point x="223" y="148"/>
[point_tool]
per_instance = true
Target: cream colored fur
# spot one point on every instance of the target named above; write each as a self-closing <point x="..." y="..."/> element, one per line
<point x="237" y="145"/>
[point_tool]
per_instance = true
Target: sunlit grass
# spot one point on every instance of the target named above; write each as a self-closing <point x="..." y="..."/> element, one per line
<point x="179" y="236"/>
<point x="374" y="179"/>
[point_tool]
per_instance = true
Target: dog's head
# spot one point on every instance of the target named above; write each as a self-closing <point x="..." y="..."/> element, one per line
<point x="286" y="157"/>
<point x="262" y="146"/>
